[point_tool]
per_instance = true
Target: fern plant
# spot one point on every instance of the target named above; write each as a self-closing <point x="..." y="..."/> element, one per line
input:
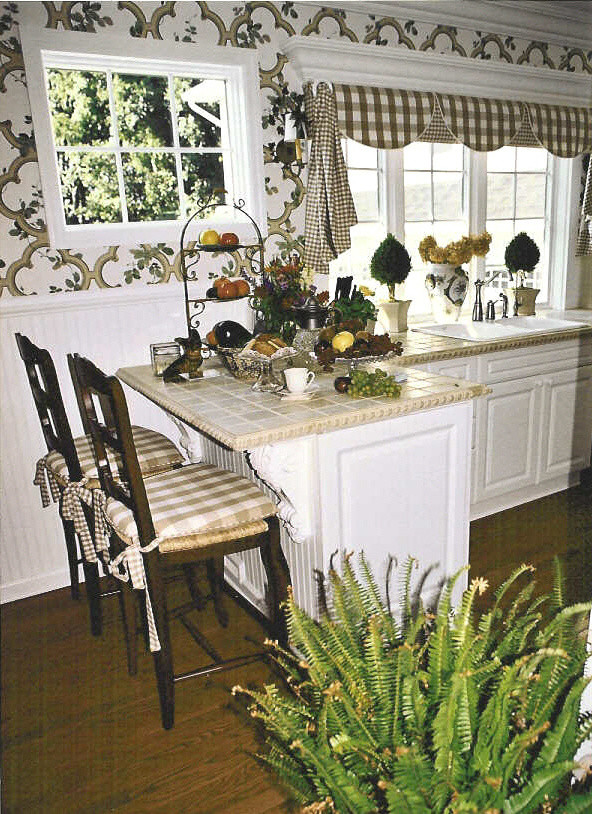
<point x="429" y="712"/>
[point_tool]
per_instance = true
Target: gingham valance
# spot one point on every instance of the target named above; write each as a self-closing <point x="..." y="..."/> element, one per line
<point x="389" y="118"/>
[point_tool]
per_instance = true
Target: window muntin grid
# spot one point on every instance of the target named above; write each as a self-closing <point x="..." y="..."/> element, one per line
<point x="108" y="156"/>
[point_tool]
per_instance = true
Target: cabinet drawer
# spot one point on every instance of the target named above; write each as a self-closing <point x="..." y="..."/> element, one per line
<point x="534" y="361"/>
<point x="464" y="368"/>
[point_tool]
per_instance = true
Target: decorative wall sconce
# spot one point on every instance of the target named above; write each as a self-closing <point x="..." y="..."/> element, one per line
<point x="290" y="150"/>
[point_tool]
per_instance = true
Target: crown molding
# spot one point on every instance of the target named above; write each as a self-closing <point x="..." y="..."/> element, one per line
<point x="548" y="21"/>
<point x="323" y="60"/>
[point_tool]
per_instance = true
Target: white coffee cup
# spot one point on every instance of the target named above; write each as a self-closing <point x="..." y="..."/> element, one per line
<point x="298" y="379"/>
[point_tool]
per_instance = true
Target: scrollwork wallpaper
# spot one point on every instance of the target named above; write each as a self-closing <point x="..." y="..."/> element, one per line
<point x="28" y="265"/>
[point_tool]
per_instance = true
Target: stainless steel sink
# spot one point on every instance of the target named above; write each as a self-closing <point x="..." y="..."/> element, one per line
<point x="501" y="329"/>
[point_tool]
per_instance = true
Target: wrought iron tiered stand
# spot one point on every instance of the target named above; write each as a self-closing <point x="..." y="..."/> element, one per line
<point x="191" y="361"/>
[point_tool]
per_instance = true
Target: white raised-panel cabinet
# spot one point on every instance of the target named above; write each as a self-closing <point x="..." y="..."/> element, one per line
<point x="533" y="432"/>
<point x="567" y="418"/>
<point x="508" y="425"/>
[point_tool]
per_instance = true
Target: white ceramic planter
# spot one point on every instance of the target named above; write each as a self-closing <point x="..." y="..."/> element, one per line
<point x="447" y="286"/>
<point x="393" y="315"/>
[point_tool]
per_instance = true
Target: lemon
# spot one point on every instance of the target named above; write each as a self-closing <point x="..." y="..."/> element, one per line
<point x="342" y="341"/>
<point x="209" y="237"/>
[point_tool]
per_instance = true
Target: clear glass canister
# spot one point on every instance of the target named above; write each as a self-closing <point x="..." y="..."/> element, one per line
<point x="162" y="354"/>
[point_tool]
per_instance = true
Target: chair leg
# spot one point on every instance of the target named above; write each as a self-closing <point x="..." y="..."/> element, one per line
<point x="72" y="550"/>
<point x="163" y="660"/>
<point x="278" y="579"/>
<point x="93" y="595"/>
<point x="190" y="572"/>
<point x="215" y="571"/>
<point x="127" y="603"/>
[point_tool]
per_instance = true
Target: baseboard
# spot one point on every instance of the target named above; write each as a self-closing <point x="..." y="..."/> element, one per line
<point x="40" y="584"/>
<point x="509" y="501"/>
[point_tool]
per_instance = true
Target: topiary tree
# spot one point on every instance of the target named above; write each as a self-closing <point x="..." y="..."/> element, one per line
<point x="430" y="713"/>
<point x="390" y="264"/>
<point x="522" y="255"/>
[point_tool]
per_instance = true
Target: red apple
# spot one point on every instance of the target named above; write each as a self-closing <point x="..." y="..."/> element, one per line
<point x="228" y="239"/>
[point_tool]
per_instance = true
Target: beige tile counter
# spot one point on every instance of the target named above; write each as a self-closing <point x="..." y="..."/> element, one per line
<point x="419" y="348"/>
<point x="228" y="410"/>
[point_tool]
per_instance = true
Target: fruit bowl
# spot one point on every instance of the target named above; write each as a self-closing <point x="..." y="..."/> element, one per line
<point x="241" y="368"/>
<point x="249" y="365"/>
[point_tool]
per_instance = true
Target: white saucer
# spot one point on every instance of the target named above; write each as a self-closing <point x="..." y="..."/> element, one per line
<point x="304" y="396"/>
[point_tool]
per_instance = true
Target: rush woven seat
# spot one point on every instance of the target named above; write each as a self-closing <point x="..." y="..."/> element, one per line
<point x="156" y="453"/>
<point x="192" y="503"/>
<point x="195" y="514"/>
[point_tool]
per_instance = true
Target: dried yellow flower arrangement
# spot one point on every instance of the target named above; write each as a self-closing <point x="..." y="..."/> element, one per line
<point x="457" y="252"/>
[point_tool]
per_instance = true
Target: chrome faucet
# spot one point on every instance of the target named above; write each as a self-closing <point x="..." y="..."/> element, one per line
<point x="504" y="300"/>
<point x="478" y="306"/>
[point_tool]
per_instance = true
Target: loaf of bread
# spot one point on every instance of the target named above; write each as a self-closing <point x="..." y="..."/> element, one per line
<point x="267" y="344"/>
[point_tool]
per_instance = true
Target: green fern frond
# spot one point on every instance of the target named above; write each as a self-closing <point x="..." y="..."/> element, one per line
<point x="541" y="789"/>
<point x="440" y="715"/>
<point x="580" y="803"/>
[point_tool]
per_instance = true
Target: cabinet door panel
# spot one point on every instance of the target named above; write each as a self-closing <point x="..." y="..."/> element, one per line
<point x="567" y="418"/>
<point x="508" y="428"/>
<point x="399" y="487"/>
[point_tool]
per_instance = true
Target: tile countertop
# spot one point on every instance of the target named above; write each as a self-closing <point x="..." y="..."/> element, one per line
<point x="419" y="348"/>
<point x="230" y="412"/>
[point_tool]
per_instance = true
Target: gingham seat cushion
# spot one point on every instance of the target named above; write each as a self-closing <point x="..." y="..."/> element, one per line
<point x="155" y="454"/>
<point x="195" y="504"/>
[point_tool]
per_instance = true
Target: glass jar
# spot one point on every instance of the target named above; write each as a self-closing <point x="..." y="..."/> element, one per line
<point x="163" y="354"/>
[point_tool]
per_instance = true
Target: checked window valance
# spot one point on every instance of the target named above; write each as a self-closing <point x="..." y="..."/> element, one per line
<point x="387" y="118"/>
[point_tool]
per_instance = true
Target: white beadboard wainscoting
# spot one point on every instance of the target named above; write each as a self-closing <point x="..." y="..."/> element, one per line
<point x="113" y="328"/>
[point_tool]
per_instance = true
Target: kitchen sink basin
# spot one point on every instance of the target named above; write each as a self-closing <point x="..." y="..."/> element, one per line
<point x="538" y="324"/>
<point x="501" y="329"/>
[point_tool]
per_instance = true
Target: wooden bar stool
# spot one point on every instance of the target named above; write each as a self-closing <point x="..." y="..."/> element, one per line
<point x="71" y="460"/>
<point x="190" y="515"/>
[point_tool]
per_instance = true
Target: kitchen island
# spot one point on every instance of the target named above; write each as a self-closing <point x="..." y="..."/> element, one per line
<point x="398" y="477"/>
<point x="390" y="477"/>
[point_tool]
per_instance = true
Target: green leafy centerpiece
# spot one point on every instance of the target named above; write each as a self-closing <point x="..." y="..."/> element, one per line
<point x="390" y="265"/>
<point x="284" y="285"/>
<point x="426" y="713"/>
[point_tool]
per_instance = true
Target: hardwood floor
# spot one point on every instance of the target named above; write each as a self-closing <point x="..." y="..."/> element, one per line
<point x="80" y="735"/>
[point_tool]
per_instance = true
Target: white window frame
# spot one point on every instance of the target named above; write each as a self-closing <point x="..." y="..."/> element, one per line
<point x="237" y="66"/>
<point x="391" y="198"/>
<point x="320" y="60"/>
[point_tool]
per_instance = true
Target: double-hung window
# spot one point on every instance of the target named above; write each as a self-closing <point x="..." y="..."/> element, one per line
<point x="447" y="191"/>
<point x="133" y="136"/>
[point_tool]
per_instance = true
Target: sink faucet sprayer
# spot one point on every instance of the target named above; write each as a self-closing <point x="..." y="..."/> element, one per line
<point x="478" y="306"/>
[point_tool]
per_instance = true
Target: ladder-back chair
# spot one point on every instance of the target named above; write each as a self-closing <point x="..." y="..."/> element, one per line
<point x="71" y="459"/>
<point x="196" y="514"/>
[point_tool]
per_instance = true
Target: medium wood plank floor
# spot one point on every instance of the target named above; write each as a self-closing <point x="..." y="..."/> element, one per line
<point x="79" y="735"/>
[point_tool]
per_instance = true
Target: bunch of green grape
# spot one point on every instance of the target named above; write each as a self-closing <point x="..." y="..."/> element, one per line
<point x="378" y="383"/>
